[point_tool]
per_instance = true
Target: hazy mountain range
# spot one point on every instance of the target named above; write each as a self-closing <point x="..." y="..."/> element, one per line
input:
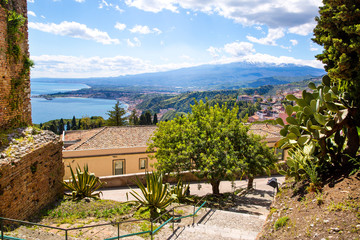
<point x="206" y="77"/>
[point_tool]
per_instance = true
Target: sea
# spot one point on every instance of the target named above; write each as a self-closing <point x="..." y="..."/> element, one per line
<point x="44" y="110"/>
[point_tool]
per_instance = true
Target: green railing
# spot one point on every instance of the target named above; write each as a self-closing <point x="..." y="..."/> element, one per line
<point x="172" y="219"/>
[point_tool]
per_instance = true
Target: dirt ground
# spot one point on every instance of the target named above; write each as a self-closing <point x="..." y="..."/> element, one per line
<point x="333" y="213"/>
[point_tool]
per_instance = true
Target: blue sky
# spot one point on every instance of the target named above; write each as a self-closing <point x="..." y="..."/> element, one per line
<point x="102" y="38"/>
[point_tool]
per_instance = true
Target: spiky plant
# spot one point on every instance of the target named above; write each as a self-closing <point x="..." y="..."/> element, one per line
<point x="155" y="195"/>
<point x="83" y="184"/>
<point x="180" y="191"/>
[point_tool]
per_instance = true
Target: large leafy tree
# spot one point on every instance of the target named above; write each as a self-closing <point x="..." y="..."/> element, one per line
<point x="338" y="31"/>
<point x="117" y="116"/>
<point x="211" y="141"/>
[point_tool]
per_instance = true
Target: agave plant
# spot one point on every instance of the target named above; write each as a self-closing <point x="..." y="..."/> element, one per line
<point x="155" y="195"/>
<point x="83" y="184"/>
<point x="180" y="191"/>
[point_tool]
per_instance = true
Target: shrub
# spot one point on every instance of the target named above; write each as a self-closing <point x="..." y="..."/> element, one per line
<point x="83" y="184"/>
<point x="155" y="196"/>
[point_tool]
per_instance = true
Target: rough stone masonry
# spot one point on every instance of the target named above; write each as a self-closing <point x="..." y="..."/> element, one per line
<point x="31" y="168"/>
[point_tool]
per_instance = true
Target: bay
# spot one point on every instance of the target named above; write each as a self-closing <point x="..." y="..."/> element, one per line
<point x="39" y="88"/>
<point x="45" y="110"/>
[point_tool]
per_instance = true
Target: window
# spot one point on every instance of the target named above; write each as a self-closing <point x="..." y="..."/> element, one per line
<point x="279" y="153"/>
<point x="119" y="166"/>
<point x="143" y="163"/>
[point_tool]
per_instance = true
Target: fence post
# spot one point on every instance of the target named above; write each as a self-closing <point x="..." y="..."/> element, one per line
<point x="194" y="215"/>
<point x="2" y="229"/>
<point x="173" y="221"/>
<point x="66" y="234"/>
<point x="118" y="231"/>
<point x="151" y="233"/>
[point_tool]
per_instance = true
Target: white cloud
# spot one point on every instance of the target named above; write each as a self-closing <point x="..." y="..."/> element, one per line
<point x="273" y="13"/>
<point x="144" y="30"/>
<point x="135" y="43"/>
<point x="270" y="39"/>
<point x="31" y="13"/>
<point x="120" y="26"/>
<point x="234" y="49"/>
<point x="186" y="57"/>
<point x="61" y="66"/>
<point x="266" y="58"/>
<point x="154" y="5"/>
<point x="75" y="30"/>
<point x="30" y="1"/>
<point x="107" y="5"/>
<point x="239" y="48"/>
<point x="314" y="49"/>
<point x="304" y="29"/>
<point x="80" y="1"/>
<point x="294" y="42"/>
<point x="214" y="52"/>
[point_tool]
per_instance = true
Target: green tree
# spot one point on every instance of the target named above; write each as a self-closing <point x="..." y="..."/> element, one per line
<point x="258" y="158"/>
<point x="338" y="31"/>
<point x="155" y="121"/>
<point x="73" y="124"/>
<point x="61" y="126"/>
<point x="133" y="118"/>
<point x="148" y="118"/>
<point x="68" y="127"/>
<point x="211" y="141"/>
<point x="117" y="116"/>
<point x="142" y="120"/>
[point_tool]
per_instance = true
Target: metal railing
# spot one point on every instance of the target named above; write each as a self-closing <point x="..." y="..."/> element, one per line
<point x="151" y="231"/>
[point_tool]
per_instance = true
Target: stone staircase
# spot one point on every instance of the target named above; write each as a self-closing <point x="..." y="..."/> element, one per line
<point x="222" y="225"/>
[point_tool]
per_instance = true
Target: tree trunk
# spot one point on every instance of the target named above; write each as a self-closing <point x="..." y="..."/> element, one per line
<point x="215" y="187"/>
<point x="250" y="182"/>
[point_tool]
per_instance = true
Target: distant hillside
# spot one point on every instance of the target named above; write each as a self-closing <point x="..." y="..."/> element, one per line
<point x="207" y="77"/>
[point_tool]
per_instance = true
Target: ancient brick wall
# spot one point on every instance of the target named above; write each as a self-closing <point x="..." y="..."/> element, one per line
<point x="31" y="181"/>
<point x="15" y="107"/>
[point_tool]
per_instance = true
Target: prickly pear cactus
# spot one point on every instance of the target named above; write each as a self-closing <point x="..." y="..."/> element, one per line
<point x="322" y="117"/>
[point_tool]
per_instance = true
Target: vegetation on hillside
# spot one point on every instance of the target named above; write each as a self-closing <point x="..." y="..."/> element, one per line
<point x="212" y="142"/>
<point x="321" y="198"/>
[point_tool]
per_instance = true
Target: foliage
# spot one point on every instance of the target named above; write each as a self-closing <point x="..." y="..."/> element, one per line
<point x="180" y="191"/>
<point x="133" y="118"/>
<point x="281" y="222"/>
<point x="258" y="158"/>
<point x="83" y="184"/>
<point x="325" y="120"/>
<point x="211" y="141"/>
<point x="117" y="116"/>
<point x="83" y="123"/>
<point x="155" y="195"/>
<point x="70" y="211"/>
<point x="337" y="31"/>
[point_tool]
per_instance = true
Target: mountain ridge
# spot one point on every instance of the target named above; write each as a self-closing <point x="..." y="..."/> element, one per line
<point x="206" y="77"/>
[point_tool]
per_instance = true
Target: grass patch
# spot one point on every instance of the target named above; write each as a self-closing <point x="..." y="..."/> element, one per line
<point x="347" y="205"/>
<point x="70" y="211"/>
<point x="281" y="222"/>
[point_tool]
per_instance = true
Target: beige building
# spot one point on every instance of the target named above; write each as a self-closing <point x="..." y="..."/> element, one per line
<point x="110" y="151"/>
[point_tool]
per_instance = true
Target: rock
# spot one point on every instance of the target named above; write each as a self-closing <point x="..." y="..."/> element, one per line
<point x="326" y="221"/>
<point x="335" y="229"/>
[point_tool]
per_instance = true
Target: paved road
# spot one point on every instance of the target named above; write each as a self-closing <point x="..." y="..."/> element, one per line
<point x="199" y="189"/>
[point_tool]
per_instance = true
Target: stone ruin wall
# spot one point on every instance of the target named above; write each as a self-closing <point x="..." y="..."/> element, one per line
<point x="31" y="181"/>
<point x="31" y="168"/>
<point x="10" y="69"/>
